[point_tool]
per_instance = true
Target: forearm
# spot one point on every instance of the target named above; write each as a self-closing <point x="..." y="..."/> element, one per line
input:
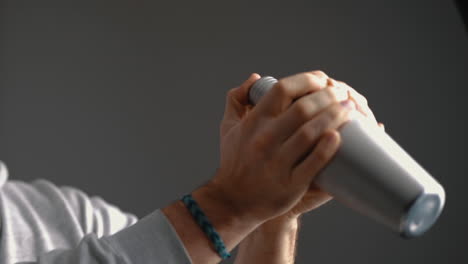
<point x="231" y="227"/>
<point x="274" y="243"/>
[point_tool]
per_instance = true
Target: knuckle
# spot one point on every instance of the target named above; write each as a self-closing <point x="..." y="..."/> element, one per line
<point x="336" y="111"/>
<point x="280" y="88"/>
<point x="321" y="155"/>
<point x="311" y="79"/>
<point x="314" y="81"/>
<point x="307" y="135"/>
<point x="344" y="116"/>
<point x="302" y="109"/>
<point x="331" y="93"/>
<point x="319" y="124"/>
<point x="320" y="74"/>
<point x="314" y="128"/>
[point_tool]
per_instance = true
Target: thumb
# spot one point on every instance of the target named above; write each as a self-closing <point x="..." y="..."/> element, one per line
<point x="241" y="93"/>
<point x="237" y="99"/>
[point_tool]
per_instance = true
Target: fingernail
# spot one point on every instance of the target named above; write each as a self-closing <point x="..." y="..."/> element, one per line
<point x="349" y="104"/>
<point x="254" y="74"/>
<point x="330" y="139"/>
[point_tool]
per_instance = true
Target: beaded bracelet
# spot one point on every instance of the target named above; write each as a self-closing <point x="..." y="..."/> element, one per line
<point x="206" y="226"/>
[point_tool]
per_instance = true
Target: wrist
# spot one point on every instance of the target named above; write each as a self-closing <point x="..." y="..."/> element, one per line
<point x="273" y="242"/>
<point x="280" y="224"/>
<point x="230" y="201"/>
<point x="231" y="227"/>
<point x="228" y="221"/>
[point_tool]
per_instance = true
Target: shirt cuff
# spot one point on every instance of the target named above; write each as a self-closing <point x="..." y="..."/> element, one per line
<point x="153" y="239"/>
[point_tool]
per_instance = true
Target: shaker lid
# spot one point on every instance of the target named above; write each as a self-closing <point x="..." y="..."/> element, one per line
<point x="422" y="214"/>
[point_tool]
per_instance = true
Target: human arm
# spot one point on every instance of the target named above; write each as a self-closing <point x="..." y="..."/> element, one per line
<point x="253" y="185"/>
<point x="46" y="224"/>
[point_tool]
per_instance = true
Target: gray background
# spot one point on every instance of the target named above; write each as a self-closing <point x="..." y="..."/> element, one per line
<point x="124" y="99"/>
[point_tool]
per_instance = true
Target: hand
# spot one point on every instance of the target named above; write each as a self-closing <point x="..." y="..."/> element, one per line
<point x="360" y="101"/>
<point x="269" y="156"/>
<point x="274" y="241"/>
<point x="315" y="197"/>
<point x="270" y="153"/>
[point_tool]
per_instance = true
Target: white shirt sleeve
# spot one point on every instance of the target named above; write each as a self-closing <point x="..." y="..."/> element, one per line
<point x="45" y="224"/>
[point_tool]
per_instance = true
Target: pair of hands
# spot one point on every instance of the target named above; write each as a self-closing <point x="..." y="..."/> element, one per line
<point x="271" y="153"/>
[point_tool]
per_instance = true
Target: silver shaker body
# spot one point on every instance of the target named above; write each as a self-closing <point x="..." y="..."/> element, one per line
<point x="373" y="175"/>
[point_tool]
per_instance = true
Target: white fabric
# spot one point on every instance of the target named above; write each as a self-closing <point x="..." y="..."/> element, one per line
<point x="45" y="224"/>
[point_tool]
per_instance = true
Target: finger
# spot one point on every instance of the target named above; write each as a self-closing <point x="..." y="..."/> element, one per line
<point x="305" y="108"/>
<point x="360" y="100"/>
<point x="319" y="193"/>
<point x="321" y="155"/>
<point x="315" y="190"/>
<point x="237" y="98"/>
<point x="237" y="105"/>
<point x="311" y="200"/>
<point x="315" y="198"/>
<point x="298" y="146"/>
<point x="241" y="93"/>
<point x="288" y="89"/>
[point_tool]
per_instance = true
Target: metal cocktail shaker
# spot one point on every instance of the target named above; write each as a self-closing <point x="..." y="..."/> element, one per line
<point x="373" y="175"/>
